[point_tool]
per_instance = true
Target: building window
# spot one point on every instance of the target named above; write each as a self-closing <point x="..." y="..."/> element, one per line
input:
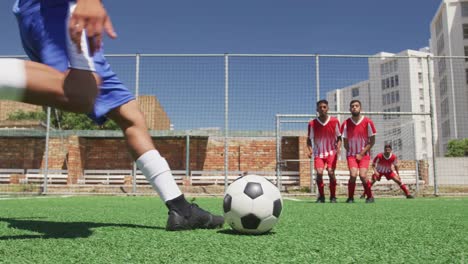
<point x="443" y="86"/>
<point x="465" y="31"/>
<point x="355" y="92"/>
<point x="438" y="24"/>
<point x="396" y="80"/>
<point x="466" y="53"/>
<point x="422" y="108"/>
<point x="421" y="93"/>
<point x="395" y="65"/>
<point x="420" y="77"/>
<point x="387" y="83"/>
<point x="393" y="97"/>
<point x="383" y="84"/>
<point x="444" y="108"/>
<point x="440" y="44"/>
<point x="446" y="128"/>
<point x="441" y="65"/>
<point x="464" y="9"/>
<point x="397" y="97"/>
<point x="392" y="82"/>
<point x="334" y="97"/>
<point x="466" y="75"/>
<point x="423" y="126"/>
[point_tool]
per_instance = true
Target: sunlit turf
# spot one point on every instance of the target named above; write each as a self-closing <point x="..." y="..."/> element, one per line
<point x="131" y="230"/>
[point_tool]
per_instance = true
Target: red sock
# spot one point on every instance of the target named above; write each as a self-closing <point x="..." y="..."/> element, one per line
<point x="320" y="188"/>
<point x="333" y="188"/>
<point x="351" y="187"/>
<point x="369" y="189"/>
<point x="403" y="187"/>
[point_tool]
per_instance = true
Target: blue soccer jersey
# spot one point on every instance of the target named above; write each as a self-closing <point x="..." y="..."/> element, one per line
<point x="43" y="26"/>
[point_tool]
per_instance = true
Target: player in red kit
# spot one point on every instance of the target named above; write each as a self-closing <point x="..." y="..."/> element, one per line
<point x="358" y="133"/>
<point x="324" y="144"/>
<point x="386" y="164"/>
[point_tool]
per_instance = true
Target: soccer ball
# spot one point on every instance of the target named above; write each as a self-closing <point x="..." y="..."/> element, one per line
<point x="252" y="204"/>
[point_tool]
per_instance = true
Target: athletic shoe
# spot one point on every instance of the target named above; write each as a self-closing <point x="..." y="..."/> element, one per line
<point x="197" y="218"/>
<point x="350" y="200"/>
<point x="370" y="200"/>
<point x="332" y="199"/>
<point x="362" y="196"/>
<point x="409" y="196"/>
<point x="321" y="199"/>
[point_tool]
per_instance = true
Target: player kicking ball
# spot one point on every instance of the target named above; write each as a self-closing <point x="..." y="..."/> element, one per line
<point x="324" y="144"/>
<point x="386" y="164"/>
<point x="68" y="70"/>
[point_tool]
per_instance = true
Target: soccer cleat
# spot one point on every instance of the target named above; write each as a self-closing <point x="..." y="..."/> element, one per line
<point x="321" y="199"/>
<point x="197" y="218"/>
<point x="332" y="199"/>
<point x="409" y="196"/>
<point x="362" y="196"/>
<point x="370" y="200"/>
<point x="350" y="200"/>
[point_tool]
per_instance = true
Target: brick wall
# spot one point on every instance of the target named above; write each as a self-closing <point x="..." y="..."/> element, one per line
<point x="245" y="154"/>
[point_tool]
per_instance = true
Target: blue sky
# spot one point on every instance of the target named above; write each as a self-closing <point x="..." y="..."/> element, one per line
<point x="258" y="26"/>
<point x="191" y="90"/>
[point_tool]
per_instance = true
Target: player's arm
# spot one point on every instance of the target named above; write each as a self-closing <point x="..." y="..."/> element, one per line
<point x="368" y="146"/>
<point x="90" y="15"/>
<point x="395" y="164"/>
<point x="374" y="164"/>
<point x="310" y="132"/>
<point x="338" y="145"/>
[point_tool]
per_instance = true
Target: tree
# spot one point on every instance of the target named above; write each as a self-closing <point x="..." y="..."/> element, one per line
<point x="457" y="148"/>
<point x="66" y="120"/>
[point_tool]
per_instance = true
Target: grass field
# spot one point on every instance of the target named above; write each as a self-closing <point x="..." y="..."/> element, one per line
<point x="131" y="230"/>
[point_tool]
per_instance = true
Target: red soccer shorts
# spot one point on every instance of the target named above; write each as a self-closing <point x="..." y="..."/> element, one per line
<point x="361" y="164"/>
<point x="330" y="161"/>
<point x="388" y="175"/>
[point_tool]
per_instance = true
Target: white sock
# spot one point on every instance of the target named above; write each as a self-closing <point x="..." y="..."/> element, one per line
<point x="158" y="173"/>
<point x="12" y="79"/>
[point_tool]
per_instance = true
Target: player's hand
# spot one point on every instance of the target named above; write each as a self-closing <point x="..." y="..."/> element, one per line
<point x="309" y="154"/>
<point x="358" y="157"/>
<point x="91" y="16"/>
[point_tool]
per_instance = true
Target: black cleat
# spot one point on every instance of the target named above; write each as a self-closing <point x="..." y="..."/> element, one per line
<point x="362" y="196"/>
<point x="196" y="219"/>
<point x="370" y="200"/>
<point x="321" y="199"/>
<point x="350" y="200"/>
<point x="409" y="196"/>
<point x="332" y="199"/>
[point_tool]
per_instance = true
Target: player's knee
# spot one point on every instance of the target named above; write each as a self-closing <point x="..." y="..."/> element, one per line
<point x="80" y="89"/>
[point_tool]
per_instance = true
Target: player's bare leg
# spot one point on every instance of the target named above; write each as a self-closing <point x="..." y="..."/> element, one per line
<point x="403" y="187"/>
<point x="331" y="175"/>
<point x="36" y="83"/>
<point x="182" y="214"/>
<point x="320" y="186"/>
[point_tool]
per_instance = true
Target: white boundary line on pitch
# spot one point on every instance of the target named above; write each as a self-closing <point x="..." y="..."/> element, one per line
<point x="292" y="199"/>
<point x="33" y="197"/>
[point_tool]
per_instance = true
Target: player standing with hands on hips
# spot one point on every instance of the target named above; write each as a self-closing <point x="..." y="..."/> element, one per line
<point x="358" y="134"/>
<point x="324" y="144"/>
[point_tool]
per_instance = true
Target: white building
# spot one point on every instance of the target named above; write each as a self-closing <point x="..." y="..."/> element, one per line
<point x="397" y="83"/>
<point x="449" y="37"/>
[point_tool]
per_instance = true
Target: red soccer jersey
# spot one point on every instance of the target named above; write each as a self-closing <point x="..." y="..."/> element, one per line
<point x="324" y="136"/>
<point x="358" y="134"/>
<point x="384" y="165"/>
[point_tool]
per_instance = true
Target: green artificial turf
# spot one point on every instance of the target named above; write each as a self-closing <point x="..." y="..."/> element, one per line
<point x="131" y="230"/>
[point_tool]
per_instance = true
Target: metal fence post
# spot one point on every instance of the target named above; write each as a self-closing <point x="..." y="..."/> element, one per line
<point x="278" y="152"/>
<point x="226" y="119"/>
<point x="46" y="159"/>
<point x="433" y="128"/>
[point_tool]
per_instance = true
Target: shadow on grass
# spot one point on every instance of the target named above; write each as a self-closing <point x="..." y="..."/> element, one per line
<point x="236" y="233"/>
<point x="50" y="229"/>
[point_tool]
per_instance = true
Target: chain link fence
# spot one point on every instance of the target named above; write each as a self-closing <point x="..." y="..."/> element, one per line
<point x="216" y="117"/>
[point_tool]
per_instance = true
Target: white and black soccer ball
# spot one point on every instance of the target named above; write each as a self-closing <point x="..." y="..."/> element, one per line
<point x="252" y="204"/>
